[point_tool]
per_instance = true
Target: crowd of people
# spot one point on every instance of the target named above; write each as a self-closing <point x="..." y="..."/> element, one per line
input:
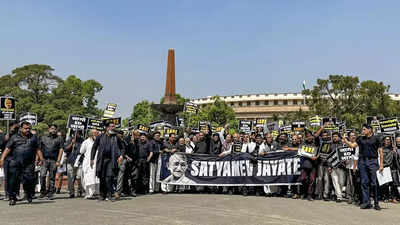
<point x="113" y="163"/>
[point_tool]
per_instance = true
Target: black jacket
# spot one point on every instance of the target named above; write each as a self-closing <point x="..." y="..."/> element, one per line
<point x="51" y="146"/>
<point x="106" y="143"/>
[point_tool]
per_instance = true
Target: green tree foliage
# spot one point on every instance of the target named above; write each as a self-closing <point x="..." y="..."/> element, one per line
<point x="143" y="113"/>
<point x="39" y="91"/>
<point x="350" y="100"/>
<point x="219" y="113"/>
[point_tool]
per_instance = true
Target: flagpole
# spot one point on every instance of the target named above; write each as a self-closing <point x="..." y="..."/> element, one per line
<point x="304" y="88"/>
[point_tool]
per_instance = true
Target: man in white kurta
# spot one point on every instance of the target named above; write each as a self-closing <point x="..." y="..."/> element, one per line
<point x="90" y="181"/>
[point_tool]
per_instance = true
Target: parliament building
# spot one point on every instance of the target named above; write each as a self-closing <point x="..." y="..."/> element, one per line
<point x="255" y="106"/>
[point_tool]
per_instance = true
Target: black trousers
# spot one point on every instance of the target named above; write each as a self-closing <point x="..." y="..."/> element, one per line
<point x="142" y="181"/>
<point x="5" y="169"/>
<point x="107" y="179"/>
<point x="353" y="189"/>
<point x="18" y="174"/>
<point x="130" y="182"/>
<point x="389" y="190"/>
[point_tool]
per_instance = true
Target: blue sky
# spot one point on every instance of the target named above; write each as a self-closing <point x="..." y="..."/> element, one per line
<point x="221" y="47"/>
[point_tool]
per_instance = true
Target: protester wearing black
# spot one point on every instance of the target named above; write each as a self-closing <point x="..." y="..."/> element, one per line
<point x="169" y="147"/>
<point x="110" y="152"/>
<point x="144" y="151"/>
<point x="215" y="145"/>
<point x="131" y="158"/>
<point x="281" y="141"/>
<point x="323" y="180"/>
<point x="156" y="146"/>
<point x="180" y="145"/>
<point x="203" y="145"/>
<point x="22" y="150"/>
<point x="395" y="174"/>
<point x="309" y="165"/>
<point x="125" y="169"/>
<point x="294" y="190"/>
<point x="52" y="149"/>
<point x="368" y="165"/>
<point x="72" y="149"/>
<point x="2" y="141"/>
<point x="13" y="131"/>
<point x="390" y="159"/>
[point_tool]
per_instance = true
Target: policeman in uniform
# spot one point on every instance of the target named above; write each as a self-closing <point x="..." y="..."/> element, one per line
<point x="22" y="150"/>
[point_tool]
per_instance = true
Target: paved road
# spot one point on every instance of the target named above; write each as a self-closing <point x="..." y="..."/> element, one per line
<point x="193" y="209"/>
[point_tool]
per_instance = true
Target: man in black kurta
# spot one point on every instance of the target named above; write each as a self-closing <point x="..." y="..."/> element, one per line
<point x="109" y="151"/>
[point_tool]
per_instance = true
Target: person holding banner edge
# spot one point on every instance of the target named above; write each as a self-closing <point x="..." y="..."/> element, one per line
<point x="308" y="166"/>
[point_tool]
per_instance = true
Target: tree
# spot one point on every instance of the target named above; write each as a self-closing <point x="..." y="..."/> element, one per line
<point x="39" y="91"/>
<point x="334" y="96"/>
<point x="345" y="98"/>
<point x="143" y="113"/>
<point x="219" y="113"/>
<point x="78" y="95"/>
<point x="275" y="117"/>
<point x="301" y="115"/>
<point x="37" y="79"/>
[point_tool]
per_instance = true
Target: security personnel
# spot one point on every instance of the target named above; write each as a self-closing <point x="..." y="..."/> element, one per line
<point x="368" y="164"/>
<point x="52" y="148"/>
<point x="14" y="126"/>
<point x="22" y="150"/>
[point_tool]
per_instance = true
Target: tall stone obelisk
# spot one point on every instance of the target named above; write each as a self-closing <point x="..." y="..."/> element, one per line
<point x="170" y="91"/>
<point x="169" y="109"/>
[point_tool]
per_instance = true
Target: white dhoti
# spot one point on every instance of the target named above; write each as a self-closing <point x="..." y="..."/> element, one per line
<point x="90" y="182"/>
